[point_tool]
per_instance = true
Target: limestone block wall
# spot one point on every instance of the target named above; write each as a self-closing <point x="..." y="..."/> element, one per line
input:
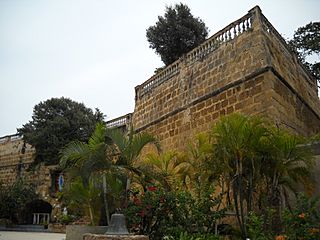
<point x="294" y="90"/>
<point x="246" y="67"/>
<point x="15" y="158"/>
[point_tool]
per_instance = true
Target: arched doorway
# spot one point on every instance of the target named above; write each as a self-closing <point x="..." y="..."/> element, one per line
<point x="37" y="212"/>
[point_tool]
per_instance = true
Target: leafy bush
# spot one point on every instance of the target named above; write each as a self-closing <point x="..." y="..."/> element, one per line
<point x="259" y="226"/>
<point x="303" y="222"/>
<point x="158" y="213"/>
<point x="13" y="199"/>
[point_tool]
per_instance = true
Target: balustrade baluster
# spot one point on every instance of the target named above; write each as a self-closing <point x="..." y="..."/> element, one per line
<point x="246" y="24"/>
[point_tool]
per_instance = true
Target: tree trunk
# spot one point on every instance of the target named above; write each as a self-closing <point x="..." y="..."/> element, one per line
<point x="91" y="214"/>
<point x="275" y="202"/>
<point x="104" y="180"/>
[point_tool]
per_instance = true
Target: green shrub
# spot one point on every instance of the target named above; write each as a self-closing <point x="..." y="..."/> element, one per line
<point x="303" y="222"/>
<point x="14" y="198"/>
<point x="158" y="213"/>
<point x="259" y="226"/>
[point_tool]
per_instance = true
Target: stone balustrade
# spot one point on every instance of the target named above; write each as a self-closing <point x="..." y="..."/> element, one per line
<point x="270" y="29"/>
<point x="121" y="121"/>
<point x="228" y="33"/>
<point x="232" y="31"/>
<point x="10" y="138"/>
<point x="159" y="78"/>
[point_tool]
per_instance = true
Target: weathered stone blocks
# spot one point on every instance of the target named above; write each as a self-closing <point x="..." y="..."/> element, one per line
<point x="254" y="73"/>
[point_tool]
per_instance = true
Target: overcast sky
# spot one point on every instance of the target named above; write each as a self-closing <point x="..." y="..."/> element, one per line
<point x="96" y="52"/>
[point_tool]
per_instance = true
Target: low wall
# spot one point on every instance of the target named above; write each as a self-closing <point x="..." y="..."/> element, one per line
<point x="57" y="228"/>
<point x="76" y="232"/>
<point x="114" y="237"/>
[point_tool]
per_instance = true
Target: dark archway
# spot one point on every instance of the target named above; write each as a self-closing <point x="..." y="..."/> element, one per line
<point x="37" y="212"/>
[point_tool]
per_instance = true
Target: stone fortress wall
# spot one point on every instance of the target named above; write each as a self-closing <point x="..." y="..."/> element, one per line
<point x="246" y="67"/>
<point x="15" y="159"/>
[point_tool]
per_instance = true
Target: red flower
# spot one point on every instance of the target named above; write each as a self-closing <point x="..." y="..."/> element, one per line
<point x="302" y="215"/>
<point x="152" y="188"/>
<point x="142" y="213"/>
<point x="136" y="201"/>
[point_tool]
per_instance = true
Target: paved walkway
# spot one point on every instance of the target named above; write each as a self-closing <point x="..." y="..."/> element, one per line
<point x="31" y="236"/>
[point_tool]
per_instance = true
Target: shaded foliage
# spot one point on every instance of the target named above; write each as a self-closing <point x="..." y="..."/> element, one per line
<point x="305" y="42"/>
<point x="259" y="165"/>
<point x="301" y="222"/>
<point x="85" y="164"/>
<point x="176" y="33"/>
<point x="13" y="199"/>
<point x="83" y="200"/>
<point x="56" y="122"/>
<point x="106" y="165"/>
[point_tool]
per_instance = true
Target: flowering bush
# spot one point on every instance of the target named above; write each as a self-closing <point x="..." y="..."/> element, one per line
<point x="158" y="213"/>
<point x="303" y="222"/>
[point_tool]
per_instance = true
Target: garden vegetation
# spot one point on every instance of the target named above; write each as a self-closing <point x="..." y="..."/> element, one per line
<point x="244" y="178"/>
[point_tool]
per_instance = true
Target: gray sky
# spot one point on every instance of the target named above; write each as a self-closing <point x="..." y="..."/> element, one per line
<point x="96" y="52"/>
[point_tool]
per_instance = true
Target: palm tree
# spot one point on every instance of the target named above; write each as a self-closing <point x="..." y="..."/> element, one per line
<point x="83" y="160"/>
<point x="165" y="168"/>
<point x="195" y="172"/>
<point x="126" y="150"/>
<point x="84" y="198"/>
<point x="288" y="164"/>
<point x="236" y="139"/>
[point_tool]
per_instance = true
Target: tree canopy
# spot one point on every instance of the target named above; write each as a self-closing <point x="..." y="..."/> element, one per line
<point x="56" y="122"/>
<point x="176" y="33"/>
<point x="306" y="42"/>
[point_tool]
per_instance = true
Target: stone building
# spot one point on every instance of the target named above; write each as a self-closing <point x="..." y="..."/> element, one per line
<point x="246" y="67"/>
